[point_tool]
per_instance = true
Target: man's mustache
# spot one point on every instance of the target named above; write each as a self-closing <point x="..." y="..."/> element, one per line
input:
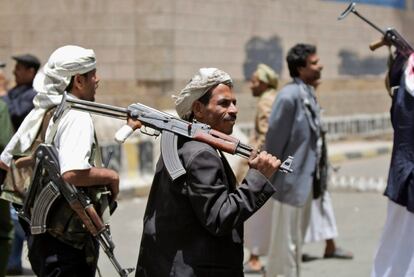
<point x="230" y="118"/>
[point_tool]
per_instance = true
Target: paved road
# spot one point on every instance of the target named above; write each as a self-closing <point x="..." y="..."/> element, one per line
<point x="372" y="167"/>
<point x="360" y="217"/>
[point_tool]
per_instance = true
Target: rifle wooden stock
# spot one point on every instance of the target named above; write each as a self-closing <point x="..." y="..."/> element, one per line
<point x="228" y="146"/>
<point x="378" y="44"/>
<point x="80" y="211"/>
<point x="96" y="219"/>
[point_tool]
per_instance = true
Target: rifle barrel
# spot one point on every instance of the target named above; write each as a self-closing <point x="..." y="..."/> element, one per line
<point x="369" y="22"/>
<point x="351" y="9"/>
<point x="98" y="108"/>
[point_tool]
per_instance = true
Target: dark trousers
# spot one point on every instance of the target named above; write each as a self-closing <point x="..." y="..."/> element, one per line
<point x="6" y="235"/>
<point x="50" y="257"/>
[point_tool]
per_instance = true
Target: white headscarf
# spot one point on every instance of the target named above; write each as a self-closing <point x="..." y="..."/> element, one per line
<point x="50" y="82"/>
<point x="202" y="82"/>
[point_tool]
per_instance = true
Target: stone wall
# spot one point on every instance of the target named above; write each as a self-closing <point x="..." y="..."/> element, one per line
<point x="149" y="49"/>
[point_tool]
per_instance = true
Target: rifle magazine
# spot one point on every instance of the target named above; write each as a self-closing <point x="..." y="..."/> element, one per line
<point x="41" y="208"/>
<point x="169" y="155"/>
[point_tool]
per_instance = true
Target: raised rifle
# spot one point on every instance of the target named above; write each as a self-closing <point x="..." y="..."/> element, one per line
<point x="390" y="35"/>
<point x="47" y="186"/>
<point x="169" y="127"/>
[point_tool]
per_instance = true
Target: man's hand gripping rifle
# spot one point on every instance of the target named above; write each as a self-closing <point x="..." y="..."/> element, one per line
<point x="47" y="186"/>
<point x="169" y="127"/>
<point x="390" y="35"/>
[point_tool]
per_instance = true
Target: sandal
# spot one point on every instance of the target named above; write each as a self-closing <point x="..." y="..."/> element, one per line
<point x="308" y="258"/>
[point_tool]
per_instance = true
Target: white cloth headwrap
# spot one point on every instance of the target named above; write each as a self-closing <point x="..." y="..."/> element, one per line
<point x="203" y="81"/>
<point x="50" y="82"/>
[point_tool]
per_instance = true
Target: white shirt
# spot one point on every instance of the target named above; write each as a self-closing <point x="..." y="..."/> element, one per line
<point x="73" y="140"/>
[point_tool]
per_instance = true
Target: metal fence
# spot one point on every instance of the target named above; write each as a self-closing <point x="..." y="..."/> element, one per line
<point x="339" y="127"/>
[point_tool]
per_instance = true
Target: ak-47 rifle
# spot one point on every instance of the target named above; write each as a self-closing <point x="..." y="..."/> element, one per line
<point x="390" y="35"/>
<point x="47" y="186"/>
<point x="169" y="127"/>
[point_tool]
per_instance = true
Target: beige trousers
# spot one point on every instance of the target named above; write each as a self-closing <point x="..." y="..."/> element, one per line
<point x="288" y="231"/>
<point x="257" y="230"/>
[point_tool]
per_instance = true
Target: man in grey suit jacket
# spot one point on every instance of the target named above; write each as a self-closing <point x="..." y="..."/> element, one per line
<point x="294" y="129"/>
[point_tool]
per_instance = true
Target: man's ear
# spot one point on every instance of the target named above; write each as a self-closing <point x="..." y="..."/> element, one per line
<point x="77" y="85"/>
<point x="77" y="81"/>
<point x="198" y="109"/>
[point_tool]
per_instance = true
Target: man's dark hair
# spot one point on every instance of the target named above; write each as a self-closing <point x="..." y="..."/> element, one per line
<point x="30" y="65"/>
<point x="206" y="97"/>
<point x="204" y="100"/>
<point x="297" y="56"/>
<point x="28" y="61"/>
<point x="69" y="87"/>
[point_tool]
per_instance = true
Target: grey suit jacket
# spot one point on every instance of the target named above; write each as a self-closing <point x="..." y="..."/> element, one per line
<point x="294" y="130"/>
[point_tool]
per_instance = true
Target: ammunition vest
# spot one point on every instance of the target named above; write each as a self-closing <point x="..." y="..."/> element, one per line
<point x="63" y="223"/>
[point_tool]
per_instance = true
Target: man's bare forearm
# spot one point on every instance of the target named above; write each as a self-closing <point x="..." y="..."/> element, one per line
<point x="91" y="177"/>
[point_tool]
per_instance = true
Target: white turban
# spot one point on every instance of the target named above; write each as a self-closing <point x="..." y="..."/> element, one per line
<point x="204" y="80"/>
<point x="50" y="82"/>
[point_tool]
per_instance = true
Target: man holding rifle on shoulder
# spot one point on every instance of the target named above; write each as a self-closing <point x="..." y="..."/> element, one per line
<point x="395" y="254"/>
<point x="193" y="226"/>
<point x="67" y="248"/>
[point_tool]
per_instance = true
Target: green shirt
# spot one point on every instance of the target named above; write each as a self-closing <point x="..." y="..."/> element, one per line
<point x="6" y="125"/>
<point x="6" y="229"/>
